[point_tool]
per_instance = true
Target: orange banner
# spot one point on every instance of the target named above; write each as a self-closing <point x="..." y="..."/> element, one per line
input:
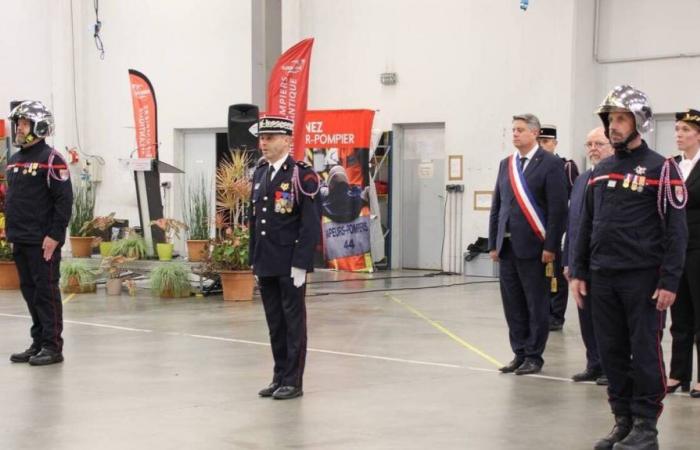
<point x="344" y="128"/>
<point x="287" y="90"/>
<point x="143" y="99"/>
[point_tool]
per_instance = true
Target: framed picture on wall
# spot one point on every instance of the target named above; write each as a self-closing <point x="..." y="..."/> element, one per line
<point x="482" y="200"/>
<point x="455" y="167"/>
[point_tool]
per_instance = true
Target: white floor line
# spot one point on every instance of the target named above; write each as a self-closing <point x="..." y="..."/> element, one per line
<point x="315" y="350"/>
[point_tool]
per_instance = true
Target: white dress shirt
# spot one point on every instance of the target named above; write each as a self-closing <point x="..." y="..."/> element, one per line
<point x="529" y="156"/>
<point x="687" y="165"/>
<point x="276" y="166"/>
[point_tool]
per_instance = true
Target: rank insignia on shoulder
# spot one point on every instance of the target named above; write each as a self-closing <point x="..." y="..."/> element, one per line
<point x="639" y="170"/>
<point x="303" y="164"/>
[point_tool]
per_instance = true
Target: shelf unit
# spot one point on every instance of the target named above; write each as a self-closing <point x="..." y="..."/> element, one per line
<point x="384" y="174"/>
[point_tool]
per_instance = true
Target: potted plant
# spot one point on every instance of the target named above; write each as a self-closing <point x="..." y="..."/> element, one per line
<point x="112" y="265"/>
<point x="171" y="228"/>
<point x="229" y="257"/>
<point x="230" y="249"/>
<point x="170" y="280"/>
<point x="96" y="228"/>
<point x="196" y="214"/>
<point x="9" y="277"/>
<point x="83" y="212"/>
<point x="132" y="246"/>
<point x="77" y="277"/>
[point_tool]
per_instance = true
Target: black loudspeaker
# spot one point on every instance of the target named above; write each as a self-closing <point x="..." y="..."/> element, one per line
<point x="242" y="122"/>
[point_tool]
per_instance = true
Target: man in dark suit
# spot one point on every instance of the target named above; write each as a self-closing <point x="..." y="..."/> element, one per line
<point x="284" y="229"/>
<point x="597" y="148"/>
<point x="527" y="221"/>
<point x="559" y="288"/>
<point x="685" y="312"/>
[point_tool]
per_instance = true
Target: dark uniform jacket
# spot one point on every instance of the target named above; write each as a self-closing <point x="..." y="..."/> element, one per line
<point x="692" y="209"/>
<point x="37" y="206"/>
<point x="578" y="197"/>
<point x="544" y="176"/>
<point x="571" y="171"/>
<point x="283" y="233"/>
<point x="620" y="226"/>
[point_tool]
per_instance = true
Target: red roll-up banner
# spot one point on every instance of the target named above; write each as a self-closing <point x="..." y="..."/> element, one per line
<point x="143" y="99"/>
<point x="287" y="90"/>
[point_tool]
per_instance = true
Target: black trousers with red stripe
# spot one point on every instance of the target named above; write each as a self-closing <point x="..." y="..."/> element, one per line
<point x="628" y="329"/>
<point x="285" y="311"/>
<point x="38" y="280"/>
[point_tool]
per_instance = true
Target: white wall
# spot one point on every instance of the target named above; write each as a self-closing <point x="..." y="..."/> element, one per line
<point x="471" y="65"/>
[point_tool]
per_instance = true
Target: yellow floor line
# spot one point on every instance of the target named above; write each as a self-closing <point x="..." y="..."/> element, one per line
<point x="449" y="333"/>
<point x="67" y="299"/>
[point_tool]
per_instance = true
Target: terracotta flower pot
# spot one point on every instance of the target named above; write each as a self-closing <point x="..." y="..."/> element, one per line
<point x="81" y="247"/>
<point x="9" y="278"/>
<point x="238" y="285"/>
<point x="197" y="250"/>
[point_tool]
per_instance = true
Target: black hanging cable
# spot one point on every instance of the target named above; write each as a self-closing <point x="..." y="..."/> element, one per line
<point x="98" y="27"/>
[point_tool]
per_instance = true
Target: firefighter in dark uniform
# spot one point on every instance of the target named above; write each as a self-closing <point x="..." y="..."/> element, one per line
<point x="559" y="286"/>
<point x="631" y="245"/>
<point x="37" y="212"/>
<point x="284" y="229"/>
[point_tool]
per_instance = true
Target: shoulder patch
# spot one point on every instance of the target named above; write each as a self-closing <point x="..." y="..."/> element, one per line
<point x="262" y="162"/>
<point x="303" y="164"/>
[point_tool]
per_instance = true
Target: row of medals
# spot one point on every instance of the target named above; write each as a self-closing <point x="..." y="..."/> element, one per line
<point x="31" y="169"/>
<point x="633" y="182"/>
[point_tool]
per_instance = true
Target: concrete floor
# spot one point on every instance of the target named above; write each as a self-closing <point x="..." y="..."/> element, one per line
<point x="145" y="373"/>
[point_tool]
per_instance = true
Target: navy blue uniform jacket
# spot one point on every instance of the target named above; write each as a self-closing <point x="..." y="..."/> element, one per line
<point x="578" y="197"/>
<point x="34" y="208"/>
<point x="545" y="178"/>
<point x="621" y="228"/>
<point x="283" y="234"/>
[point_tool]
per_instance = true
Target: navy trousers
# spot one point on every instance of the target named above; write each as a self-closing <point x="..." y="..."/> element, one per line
<point x="585" y="320"/>
<point x="285" y="311"/>
<point x="38" y="281"/>
<point x="560" y="298"/>
<point x="685" y="320"/>
<point x="628" y="329"/>
<point x="524" y="291"/>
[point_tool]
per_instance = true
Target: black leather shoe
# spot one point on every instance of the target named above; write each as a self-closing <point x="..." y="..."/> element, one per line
<point x="556" y="325"/>
<point x="46" y="357"/>
<point x="512" y="366"/>
<point x="587" y="375"/>
<point x="268" y="391"/>
<point x="642" y="437"/>
<point x="287" y="392"/>
<point x="602" y="380"/>
<point x="695" y="393"/>
<point x="684" y="385"/>
<point x="528" y="368"/>
<point x="25" y="355"/>
<point x="623" y="426"/>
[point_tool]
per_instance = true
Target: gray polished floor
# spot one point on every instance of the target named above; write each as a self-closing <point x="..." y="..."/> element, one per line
<point x="400" y="369"/>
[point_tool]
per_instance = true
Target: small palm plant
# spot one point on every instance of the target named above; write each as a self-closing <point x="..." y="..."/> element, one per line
<point x="233" y="186"/>
<point x="77" y="277"/>
<point x="132" y="246"/>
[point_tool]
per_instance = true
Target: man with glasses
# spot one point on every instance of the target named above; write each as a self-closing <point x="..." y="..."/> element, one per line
<point x="597" y="148"/>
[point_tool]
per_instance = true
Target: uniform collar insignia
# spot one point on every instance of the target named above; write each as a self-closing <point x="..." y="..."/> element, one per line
<point x="639" y="170"/>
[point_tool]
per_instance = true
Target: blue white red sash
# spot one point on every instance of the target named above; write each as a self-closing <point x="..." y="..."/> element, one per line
<point x="532" y="213"/>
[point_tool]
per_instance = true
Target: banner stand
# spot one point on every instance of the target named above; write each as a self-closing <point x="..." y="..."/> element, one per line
<point x="147" y="176"/>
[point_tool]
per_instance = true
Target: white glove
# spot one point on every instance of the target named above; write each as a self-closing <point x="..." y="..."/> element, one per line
<point x="299" y="276"/>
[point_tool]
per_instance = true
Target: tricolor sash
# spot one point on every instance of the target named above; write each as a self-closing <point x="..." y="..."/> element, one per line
<point x="532" y="213"/>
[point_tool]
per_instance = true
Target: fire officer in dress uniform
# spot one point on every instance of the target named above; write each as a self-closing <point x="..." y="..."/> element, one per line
<point x="631" y="245"/>
<point x="37" y="209"/>
<point x="284" y="229"/>
<point x="559" y="289"/>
